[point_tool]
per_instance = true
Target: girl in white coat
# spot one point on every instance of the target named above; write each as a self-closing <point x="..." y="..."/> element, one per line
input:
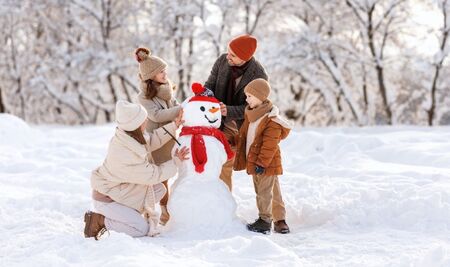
<point x="127" y="185"/>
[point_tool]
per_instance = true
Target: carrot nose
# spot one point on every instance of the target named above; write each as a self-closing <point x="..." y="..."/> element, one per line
<point x="214" y="110"/>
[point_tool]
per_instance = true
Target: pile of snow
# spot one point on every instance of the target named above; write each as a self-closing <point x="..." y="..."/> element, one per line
<point x="355" y="197"/>
<point x="15" y="132"/>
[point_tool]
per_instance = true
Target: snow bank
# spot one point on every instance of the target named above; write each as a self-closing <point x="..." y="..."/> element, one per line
<point x="398" y="179"/>
<point x="15" y="132"/>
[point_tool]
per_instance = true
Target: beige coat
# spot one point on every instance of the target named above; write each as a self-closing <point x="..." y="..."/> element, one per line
<point x="127" y="175"/>
<point x="160" y="113"/>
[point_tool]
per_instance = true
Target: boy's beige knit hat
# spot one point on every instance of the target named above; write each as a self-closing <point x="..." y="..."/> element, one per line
<point x="149" y="65"/>
<point x="259" y="88"/>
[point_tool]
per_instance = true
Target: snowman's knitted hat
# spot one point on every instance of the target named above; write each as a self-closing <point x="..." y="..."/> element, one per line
<point x="202" y="94"/>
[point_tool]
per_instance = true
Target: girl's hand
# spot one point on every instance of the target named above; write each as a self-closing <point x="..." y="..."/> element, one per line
<point x="182" y="154"/>
<point x="179" y="119"/>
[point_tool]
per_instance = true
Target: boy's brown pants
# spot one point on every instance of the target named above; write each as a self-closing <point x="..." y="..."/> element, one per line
<point x="268" y="198"/>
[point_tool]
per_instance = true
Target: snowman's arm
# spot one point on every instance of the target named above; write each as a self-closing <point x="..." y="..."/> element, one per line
<point x="159" y="137"/>
<point x="162" y="115"/>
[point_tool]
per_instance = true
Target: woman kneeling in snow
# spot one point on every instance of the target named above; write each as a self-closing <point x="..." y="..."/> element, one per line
<point x="128" y="185"/>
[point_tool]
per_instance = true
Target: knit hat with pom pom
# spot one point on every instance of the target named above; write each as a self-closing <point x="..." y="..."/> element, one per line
<point x="149" y="66"/>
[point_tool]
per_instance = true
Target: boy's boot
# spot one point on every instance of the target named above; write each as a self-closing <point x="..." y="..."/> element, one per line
<point x="260" y="226"/>
<point x="281" y="227"/>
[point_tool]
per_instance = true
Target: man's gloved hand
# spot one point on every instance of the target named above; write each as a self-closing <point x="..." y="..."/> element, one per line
<point x="259" y="169"/>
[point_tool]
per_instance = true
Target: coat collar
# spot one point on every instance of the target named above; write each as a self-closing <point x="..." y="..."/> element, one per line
<point x="156" y="100"/>
<point x="276" y="117"/>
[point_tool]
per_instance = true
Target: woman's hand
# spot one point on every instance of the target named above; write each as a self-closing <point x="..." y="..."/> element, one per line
<point x="179" y="119"/>
<point x="182" y="154"/>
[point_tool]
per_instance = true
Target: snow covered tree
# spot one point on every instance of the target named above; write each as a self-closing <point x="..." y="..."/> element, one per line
<point x="329" y="62"/>
<point x="440" y="56"/>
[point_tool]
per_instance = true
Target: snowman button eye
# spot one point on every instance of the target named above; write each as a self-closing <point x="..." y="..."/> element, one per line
<point x="202" y="108"/>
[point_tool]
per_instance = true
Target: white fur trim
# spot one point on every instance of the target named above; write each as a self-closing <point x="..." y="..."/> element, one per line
<point x="276" y="117"/>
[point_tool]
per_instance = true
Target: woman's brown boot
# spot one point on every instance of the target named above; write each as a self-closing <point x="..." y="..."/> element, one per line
<point x="94" y="225"/>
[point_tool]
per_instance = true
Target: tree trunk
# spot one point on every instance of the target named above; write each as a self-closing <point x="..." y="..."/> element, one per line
<point x="250" y="29"/>
<point x="111" y="87"/>
<point x="379" y="69"/>
<point x="124" y="87"/>
<point x="16" y="69"/>
<point x="107" y="116"/>
<point x="433" y="97"/>
<point x="431" y="111"/>
<point x="2" y="105"/>
<point x="340" y="85"/>
<point x="114" y="96"/>
<point x="178" y="55"/>
<point x="382" y="86"/>
<point x="189" y="65"/>
<point x="22" y="99"/>
<point x="247" y="18"/>
<point x="364" y="89"/>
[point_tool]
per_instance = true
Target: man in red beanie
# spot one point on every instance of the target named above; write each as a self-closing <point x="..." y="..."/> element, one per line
<point x="229" y="76"/>
<point x="231" y="72"/>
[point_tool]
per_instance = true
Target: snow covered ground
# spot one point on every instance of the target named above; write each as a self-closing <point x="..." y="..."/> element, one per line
<point x="355" y="197"/>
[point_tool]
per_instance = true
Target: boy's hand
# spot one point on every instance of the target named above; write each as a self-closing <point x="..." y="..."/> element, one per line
<point x="259" y="169"/>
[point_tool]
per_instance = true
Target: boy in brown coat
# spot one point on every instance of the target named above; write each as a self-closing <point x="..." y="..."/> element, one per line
<point x="259" y="153"/>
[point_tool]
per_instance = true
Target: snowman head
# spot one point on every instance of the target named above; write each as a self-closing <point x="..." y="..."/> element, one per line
<point x="202" y="109"/>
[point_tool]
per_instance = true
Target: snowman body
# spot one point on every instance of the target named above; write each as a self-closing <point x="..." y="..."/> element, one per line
<point x="200" y="201"/>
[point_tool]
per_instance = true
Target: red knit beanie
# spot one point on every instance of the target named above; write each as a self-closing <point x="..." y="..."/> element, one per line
<point x="244" y="46"/>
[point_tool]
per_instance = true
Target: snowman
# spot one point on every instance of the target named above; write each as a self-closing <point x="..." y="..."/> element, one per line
<point x="200" y="202"/>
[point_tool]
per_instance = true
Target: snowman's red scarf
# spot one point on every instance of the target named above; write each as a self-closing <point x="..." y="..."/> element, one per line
<point x="198" y="148"/>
